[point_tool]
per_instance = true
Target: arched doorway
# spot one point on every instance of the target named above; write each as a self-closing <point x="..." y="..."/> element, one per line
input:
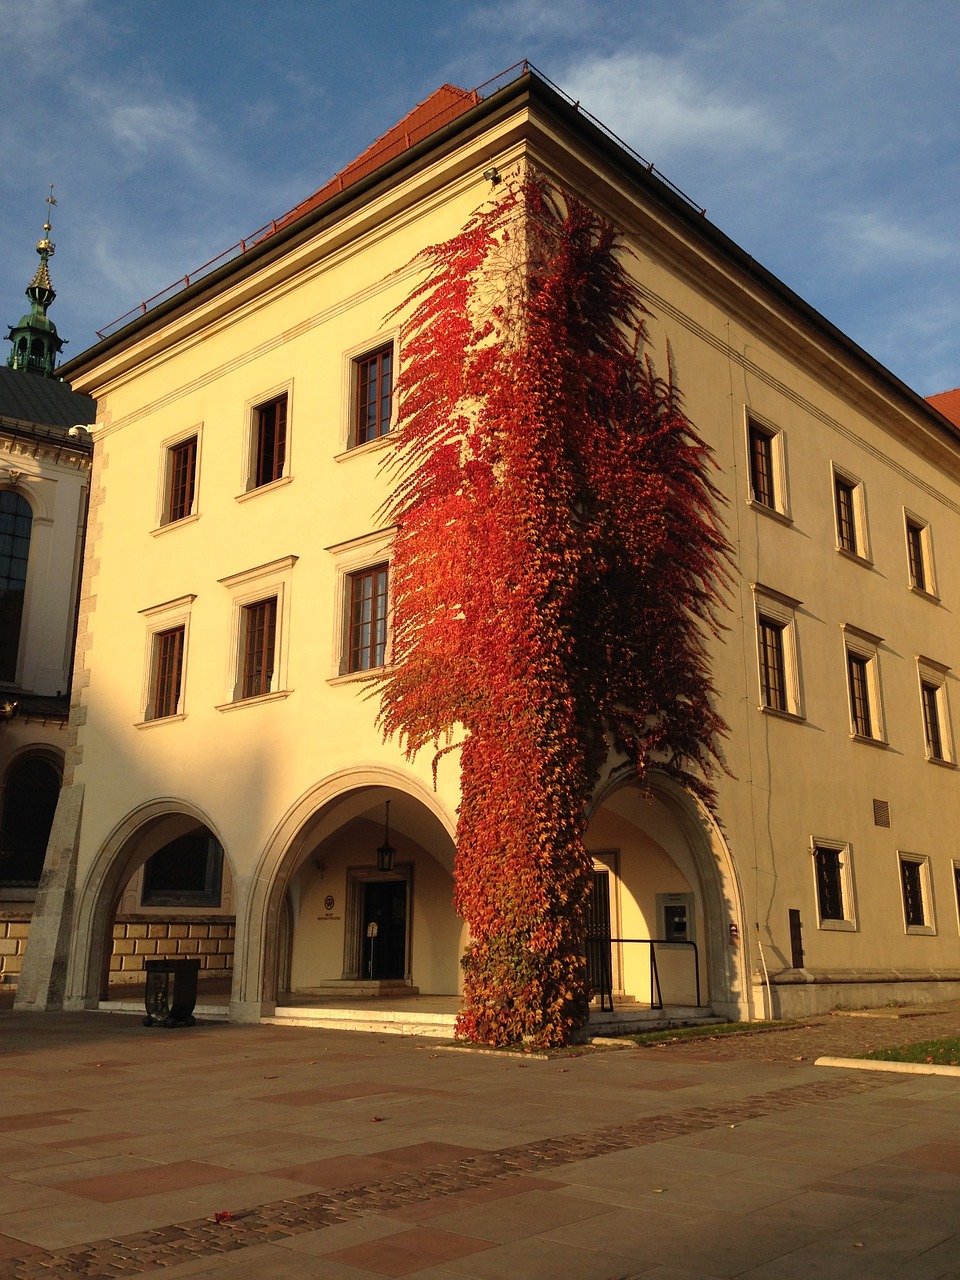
<point x="331" y="921"/>
<point x="665" y="883"/>
<point x="161" y="886"/>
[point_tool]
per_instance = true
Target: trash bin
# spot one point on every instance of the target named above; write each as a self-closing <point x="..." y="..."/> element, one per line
<point x="171" y="993"/>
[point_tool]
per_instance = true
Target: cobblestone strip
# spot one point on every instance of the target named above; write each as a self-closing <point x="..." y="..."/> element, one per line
<point x="148" y="1251"/>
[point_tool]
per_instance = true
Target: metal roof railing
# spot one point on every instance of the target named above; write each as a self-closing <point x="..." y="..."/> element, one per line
<point x="481" y="92"/>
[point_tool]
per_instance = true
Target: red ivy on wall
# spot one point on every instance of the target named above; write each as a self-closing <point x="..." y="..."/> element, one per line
<point x="557" y="561"/>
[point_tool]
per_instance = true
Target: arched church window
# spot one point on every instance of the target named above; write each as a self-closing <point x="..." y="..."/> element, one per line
<point x="15" y="523"/>
<point x="30" y="794"/>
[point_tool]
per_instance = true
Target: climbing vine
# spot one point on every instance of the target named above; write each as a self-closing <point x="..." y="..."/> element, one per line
<point x="558" y="562"/>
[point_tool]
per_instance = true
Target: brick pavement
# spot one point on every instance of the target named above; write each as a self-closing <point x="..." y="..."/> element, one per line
<point x="582" y="1168"/>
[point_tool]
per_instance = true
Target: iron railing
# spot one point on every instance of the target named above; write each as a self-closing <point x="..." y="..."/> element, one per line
<point x="600" y="967"/>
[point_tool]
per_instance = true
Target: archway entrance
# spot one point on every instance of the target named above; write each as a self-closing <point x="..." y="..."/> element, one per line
<point x="165" y="893"/>
<point x="665" y="897"/>
<point x="356" y="929"/>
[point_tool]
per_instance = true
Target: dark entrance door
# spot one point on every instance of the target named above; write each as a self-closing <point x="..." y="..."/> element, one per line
<point x="599" y="954"/>
<point x="383" y="925"/>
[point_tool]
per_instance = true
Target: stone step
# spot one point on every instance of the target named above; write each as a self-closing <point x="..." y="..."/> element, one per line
<point x="354" y="1017"/>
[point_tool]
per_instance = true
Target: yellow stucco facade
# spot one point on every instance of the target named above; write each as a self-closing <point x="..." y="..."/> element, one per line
<point x="848" y="826"/>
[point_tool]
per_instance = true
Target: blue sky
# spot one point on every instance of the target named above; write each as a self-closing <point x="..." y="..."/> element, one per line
<point x="821" y="135"/>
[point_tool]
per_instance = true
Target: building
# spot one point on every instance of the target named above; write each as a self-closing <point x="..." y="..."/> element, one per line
<point x="44" y="478"/>
<point x="236" y="597"/>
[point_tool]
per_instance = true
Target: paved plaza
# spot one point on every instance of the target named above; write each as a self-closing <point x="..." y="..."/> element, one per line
<point x="342" y="1155"/>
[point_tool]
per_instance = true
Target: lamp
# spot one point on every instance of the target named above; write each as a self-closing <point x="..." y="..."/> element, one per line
<point x="492" y="175"/>
<point x="386" y="853"/>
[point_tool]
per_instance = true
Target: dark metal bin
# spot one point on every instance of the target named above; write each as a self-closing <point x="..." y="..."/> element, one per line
<point x="171" y="992"/>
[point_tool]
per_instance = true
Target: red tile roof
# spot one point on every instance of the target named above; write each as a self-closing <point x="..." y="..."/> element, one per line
<point x="947" y="403"/>
<point x="443" y="105"/>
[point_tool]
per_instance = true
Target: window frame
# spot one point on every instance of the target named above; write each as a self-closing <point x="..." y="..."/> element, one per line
<point x="249" y="589"/>
<point x="850" y="524"/>
<point x="777" y="611"/>
<point x="924" y="887"/>
<point x="254" y="408"/>
<point x="356" y="628"/>
<point x="847" y="920"/>
<point x="353" y="360"/>
<point x="935" y="705"/>
<point x="919" y="554"/>
<point x="165" y="491"/>
<point x="351" y="558"/>
<point x="759" y="430"/>
<point x="862" y="649"/>
<point x="162" y="619"/>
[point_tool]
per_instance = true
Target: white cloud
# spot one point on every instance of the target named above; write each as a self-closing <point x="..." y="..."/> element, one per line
<point x="871" y="241"/>
<point x="658" y="105"/>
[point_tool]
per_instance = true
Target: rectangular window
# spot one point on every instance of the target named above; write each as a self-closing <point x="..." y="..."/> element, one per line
<point x="935" y="712"/>
<point x="858" y="671"/>
<point x="930" y="698"/>
<point x="914" y="896"/>
<point x="182" y="471"/>
<point x="762" y="488"/>
<point x="270" y="441"/>
<point x="773" y="682"/>
<point x="915" y="557"/>
<point x="777" y="651"/>
<point x="373" y="395"/>
<point x="168" y="671"/>
<point x="258" y="623"/>
<point x="833" y="878"/>
<point x="956" y="887"/>
<point x="829" y="882"/>
<point x="846" y="515"/>
<point x="367" y="621"/>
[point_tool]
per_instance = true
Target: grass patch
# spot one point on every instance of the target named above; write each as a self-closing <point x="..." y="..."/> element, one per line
<point x="942" y="1053"/>
<point x="673" y="1035"/>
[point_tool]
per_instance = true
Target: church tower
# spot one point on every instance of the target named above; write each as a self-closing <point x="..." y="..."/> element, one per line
<point x="36" y="344"/>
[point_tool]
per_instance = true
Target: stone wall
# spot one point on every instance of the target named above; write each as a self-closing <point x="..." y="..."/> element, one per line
<point x="14" y="927"/>
<point x="209" y="939"/>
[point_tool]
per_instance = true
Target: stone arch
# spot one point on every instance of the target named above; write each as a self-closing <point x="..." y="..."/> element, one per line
<point x="131" y="842"/>
<point x="260" y="900"/>
<point x="717" y="883"/>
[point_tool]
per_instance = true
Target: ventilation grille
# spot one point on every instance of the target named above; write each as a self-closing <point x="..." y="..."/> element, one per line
<point x="881" y="813"/>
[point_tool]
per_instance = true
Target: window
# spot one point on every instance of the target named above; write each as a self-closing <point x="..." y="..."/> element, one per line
<point x="773" y="676"/>
<point x="863" y="684"/>
<point x="270" y="441"/>
<point x="367" y="626"/>
<point x="168" y="627"/>
<point x="373" y="395"/>
<point x="834" y="884"/>
<point x="183" y="478"/>
<point x="260" y="633"/>
<point x="937" y="737"/>
<point x="766" y="469"/>
<point x="187" y="872"/>
<point x="168" y="671"/>
<point x="777" y="651"/>
<point x="915" y="887"/>
<point x="16" y="521"/>
<point x="919" y="555"/>
<point x="850" y="515"/>
<point x="30" y="793"/>
<point x="858" y="673"/>
<point x="956" y="887"/>
<point x="257" y="644"/>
